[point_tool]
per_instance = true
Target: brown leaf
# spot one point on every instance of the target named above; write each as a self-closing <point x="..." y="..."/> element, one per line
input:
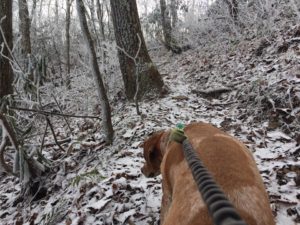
<point x="33" y="218"/>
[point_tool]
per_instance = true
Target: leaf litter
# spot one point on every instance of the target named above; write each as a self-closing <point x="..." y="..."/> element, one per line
<point x="98" y="184"/>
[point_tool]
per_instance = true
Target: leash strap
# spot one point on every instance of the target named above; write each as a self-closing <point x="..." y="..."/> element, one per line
<point x="219" y="207"/>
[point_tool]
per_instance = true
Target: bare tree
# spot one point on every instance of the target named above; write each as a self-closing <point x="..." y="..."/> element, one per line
<point x="131" y="49"/>
<point x="166" y="23"/>
<point x="105" y="108"/>
<point x="100" y="12"/>
<point x="233" y="9"/>
<point x="57" y="39"/>
<point x="92" y="20"/>
<point x="174" y="16"/>
<point x="169" y="40"/>
<point x="68" y="21"/>
<point x="6" y="37"/>
<point x="24" y="28"/>
<point x="33" y="19"/>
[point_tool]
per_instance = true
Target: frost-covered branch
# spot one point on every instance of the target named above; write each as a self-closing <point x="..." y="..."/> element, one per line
<point x="52" y="113"/>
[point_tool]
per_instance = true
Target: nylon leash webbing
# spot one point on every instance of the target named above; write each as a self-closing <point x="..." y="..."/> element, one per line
<point x="219" y="207"/>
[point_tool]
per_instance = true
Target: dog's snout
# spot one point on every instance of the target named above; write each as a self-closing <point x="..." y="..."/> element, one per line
<point x="151" y="175"/>
<point x="144" y="171"/>
<point x="147" y="172"/>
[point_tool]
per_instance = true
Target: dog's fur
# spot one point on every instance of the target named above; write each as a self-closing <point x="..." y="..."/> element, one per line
<point x="228" y="160"/>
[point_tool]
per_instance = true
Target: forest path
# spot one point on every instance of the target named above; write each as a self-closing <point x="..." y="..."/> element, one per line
<point x="103" y="185"/>
<point x="274" y="151"/>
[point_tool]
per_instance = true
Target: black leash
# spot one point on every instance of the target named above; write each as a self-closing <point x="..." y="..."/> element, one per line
<point x="219" y="207"/>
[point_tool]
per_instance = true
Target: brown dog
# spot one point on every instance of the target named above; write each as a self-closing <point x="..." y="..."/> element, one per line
<point x="228" y="160"/>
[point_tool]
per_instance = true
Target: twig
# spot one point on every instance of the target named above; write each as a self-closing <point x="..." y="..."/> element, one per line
<point x="9" y="50"/>
<point x="223" y="104"/>
<point x="272" y="103"/>
<point x="137" y="81"/>
<point x="53" y="133"/>
<point x="134" y="59"/>
<point x="60" y="142"/>
<point x="43" y="139"/>
<point x="122" y="50"/>
<point x="51" y="113"/>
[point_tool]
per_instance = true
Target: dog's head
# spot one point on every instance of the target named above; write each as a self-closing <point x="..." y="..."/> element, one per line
<point x="153" y="155"/>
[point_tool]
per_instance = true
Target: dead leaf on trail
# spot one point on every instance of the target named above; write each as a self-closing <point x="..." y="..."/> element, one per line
<point x="285" y="202"/>
<point x="180" y="98"/>
<point x="127" y="176"/>
<point x="33" y="218"/>
<point x="288" y="173"/>
<point x="68" y="221"/>
<point x="298" y="139"/>
<point x="98" y="206"/>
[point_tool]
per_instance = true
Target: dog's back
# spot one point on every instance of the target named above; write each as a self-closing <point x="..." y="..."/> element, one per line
<point x="232" y="167"/>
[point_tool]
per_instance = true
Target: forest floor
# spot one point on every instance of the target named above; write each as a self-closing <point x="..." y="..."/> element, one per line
<point x="250" y="91"/>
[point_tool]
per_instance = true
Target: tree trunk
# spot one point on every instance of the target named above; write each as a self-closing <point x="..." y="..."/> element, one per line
<point x="110" y="35"/>
<point x="33" y="19"/>
<point x="174" y="8"/>
<point x="132" y="49"/>
<point x="57" y="16"/>
<point x="167" y="29"/>
<point x="68" y="20"/>
<point x="6" y="74"/>
<point x="24" y="28"/>
<point x="166" y="24"/>
<point x="33" y="10"/>
<point x="92" y="11"/>
<point x="100" y="18"/>
<point x="102" y="45"/>
<point x="105" y="108"/>
<point x="57" y="40"/>
<point x="233" y="9"/>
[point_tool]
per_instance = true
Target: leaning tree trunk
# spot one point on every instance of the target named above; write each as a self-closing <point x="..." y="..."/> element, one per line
<point x="6" y="74"/>
<point x="105" y="108"/>
<point x="135" y="62"/>
<point x="170" y="42"/>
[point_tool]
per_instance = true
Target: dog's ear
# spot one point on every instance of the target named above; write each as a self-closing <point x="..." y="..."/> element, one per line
<point x="152" y="146"/>
<point x="152" y="155"/>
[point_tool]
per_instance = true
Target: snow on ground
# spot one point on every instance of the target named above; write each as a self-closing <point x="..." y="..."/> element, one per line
<point x="97" y="184"/>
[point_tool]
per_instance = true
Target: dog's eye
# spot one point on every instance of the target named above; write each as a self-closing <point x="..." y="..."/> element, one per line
<point x="153" y="154"/>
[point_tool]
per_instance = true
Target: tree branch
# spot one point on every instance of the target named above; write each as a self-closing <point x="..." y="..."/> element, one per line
<point x="47" y="113"/>
<point x="60" y="109"/>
